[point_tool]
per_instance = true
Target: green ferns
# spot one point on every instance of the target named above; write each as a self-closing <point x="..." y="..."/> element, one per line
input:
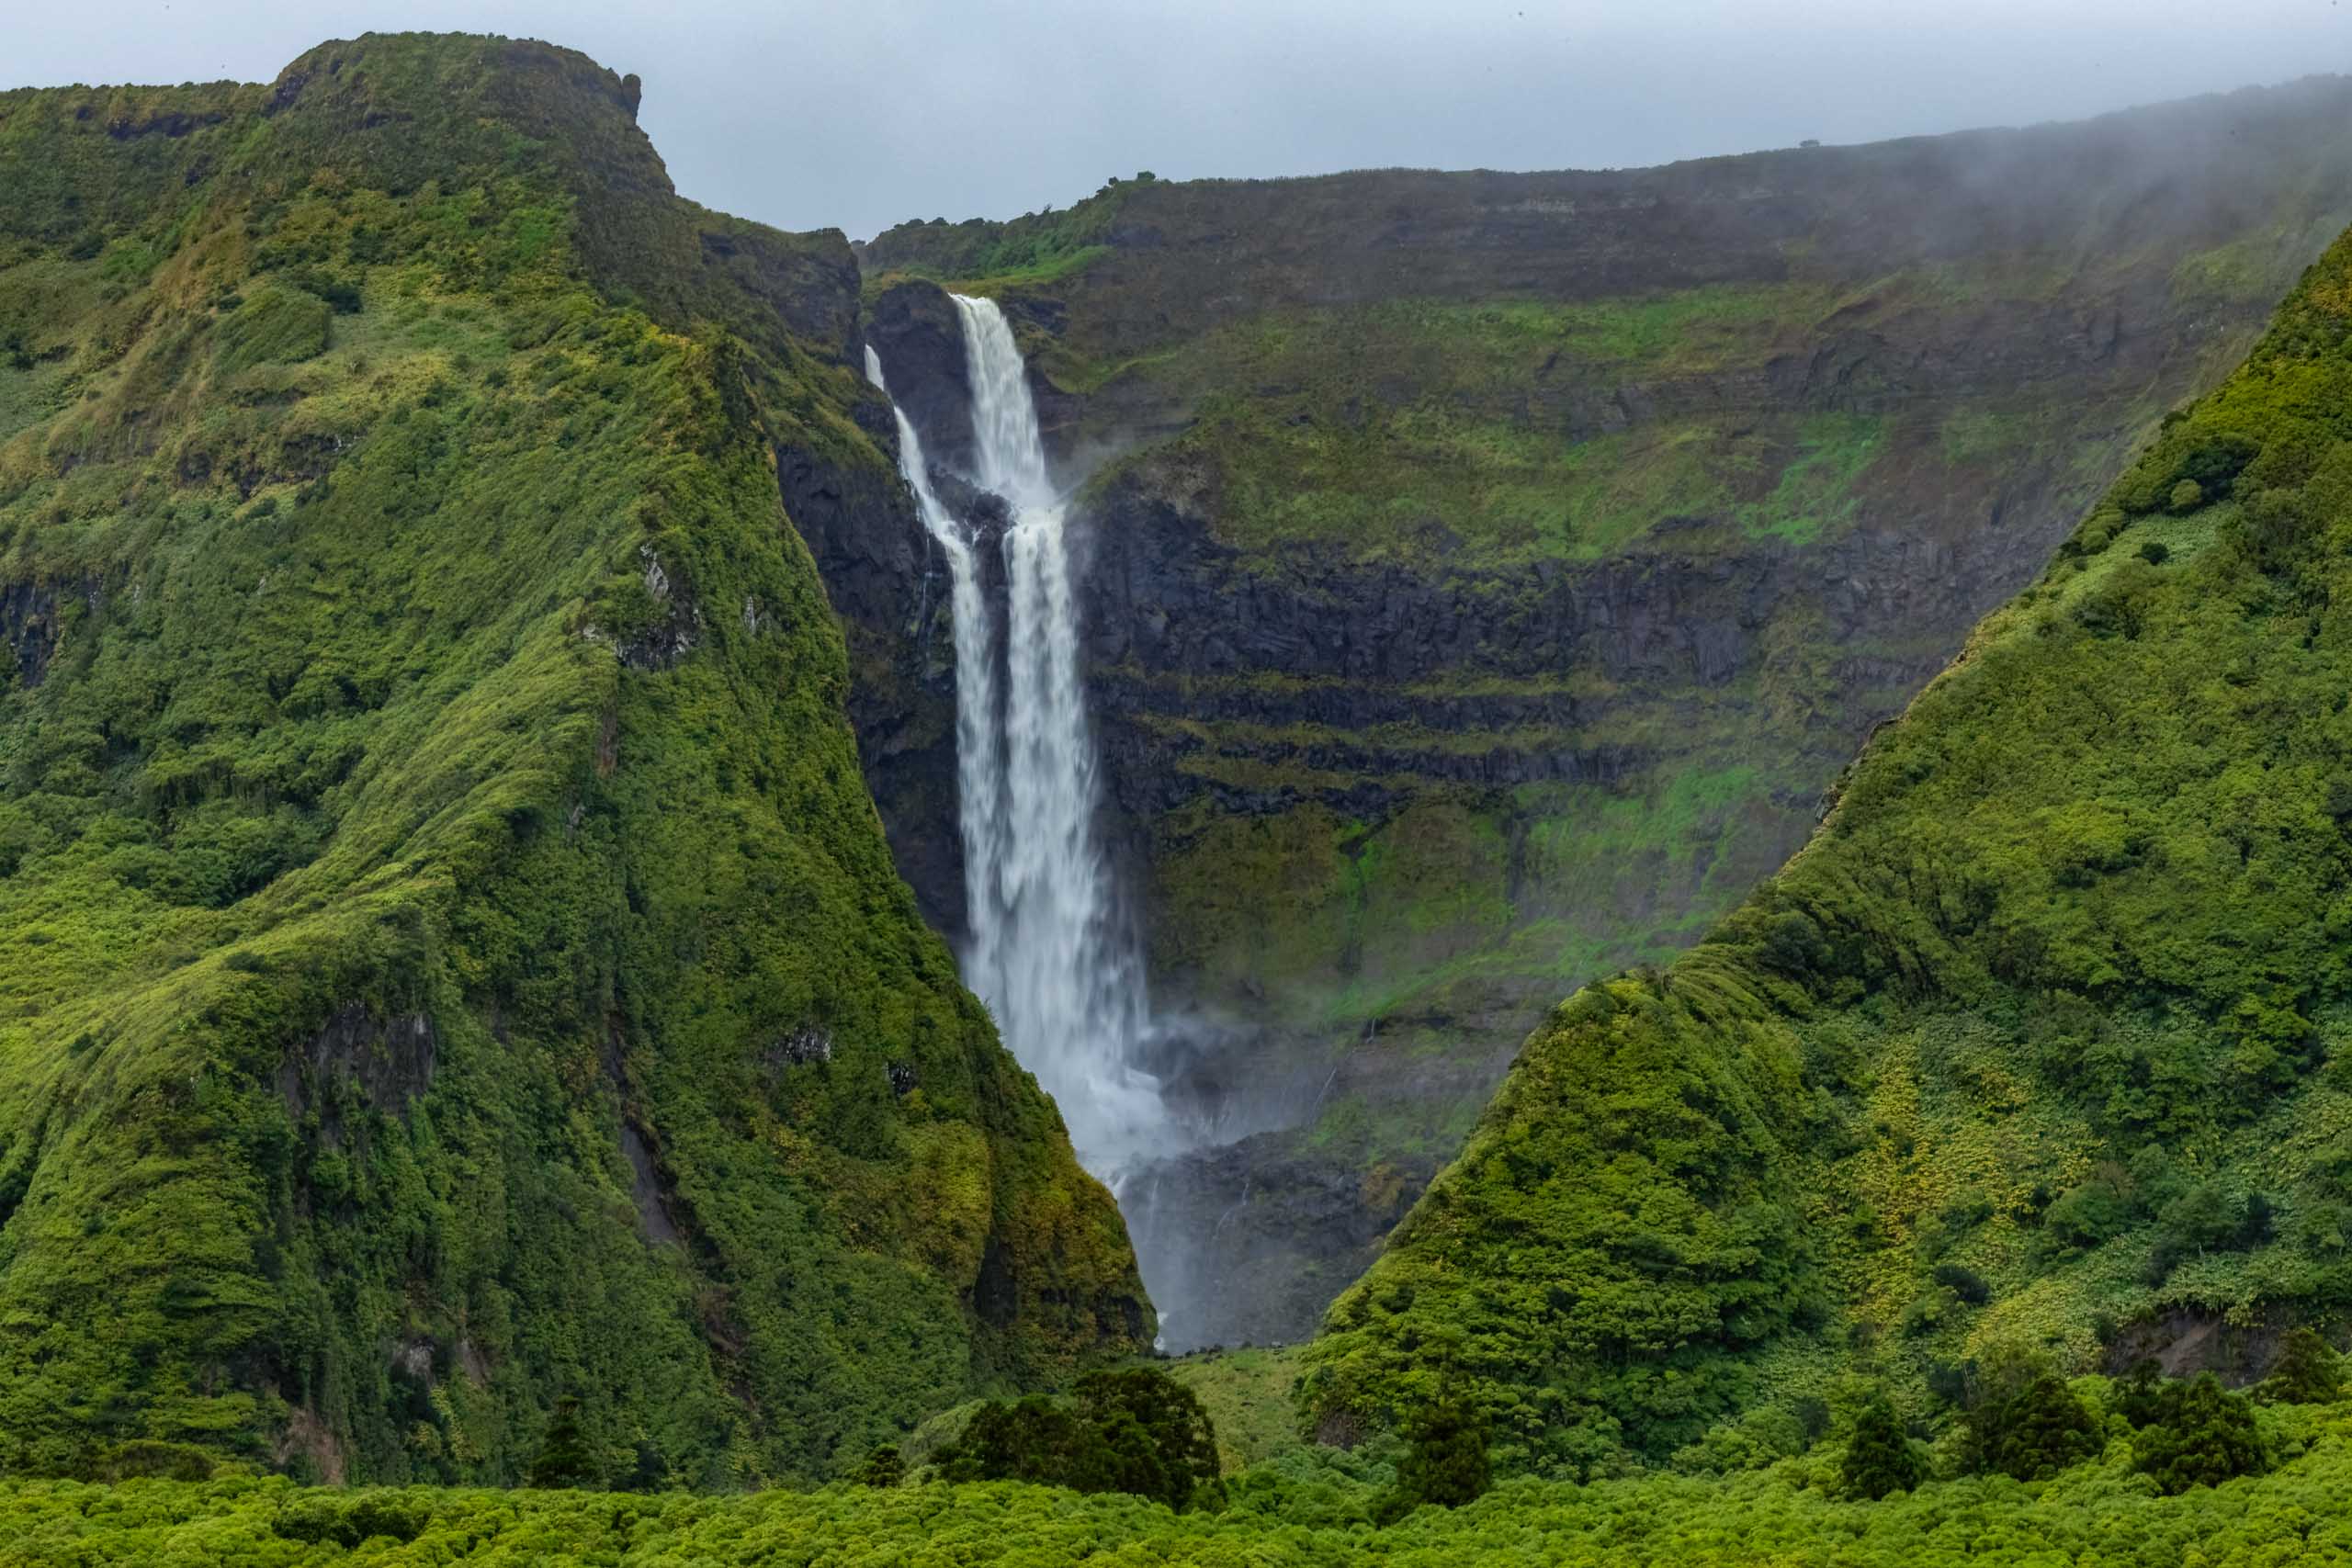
<point x="2043" y="1035"/>
<point x="449" y="962"/>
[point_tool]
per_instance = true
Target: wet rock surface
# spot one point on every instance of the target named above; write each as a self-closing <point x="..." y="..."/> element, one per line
<point x="888" y="583"/>
<point x="1267" y="1235"/>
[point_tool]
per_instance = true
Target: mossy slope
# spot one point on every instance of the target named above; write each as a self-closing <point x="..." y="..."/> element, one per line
<point x="2040" y="1043"/>
<point x="448" y="961"/>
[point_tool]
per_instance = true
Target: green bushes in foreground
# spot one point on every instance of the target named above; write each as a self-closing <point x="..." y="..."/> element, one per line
<point x="1136" y="1430"/>
<point x="1880" y="1457"/>
<point x="1307" y="1507"/>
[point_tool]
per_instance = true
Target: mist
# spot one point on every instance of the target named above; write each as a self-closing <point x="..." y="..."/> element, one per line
<point x="859" y="117"/>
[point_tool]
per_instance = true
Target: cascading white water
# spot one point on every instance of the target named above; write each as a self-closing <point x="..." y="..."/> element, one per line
<point x="979" y="767"/>
<point x="1047" y="952"/>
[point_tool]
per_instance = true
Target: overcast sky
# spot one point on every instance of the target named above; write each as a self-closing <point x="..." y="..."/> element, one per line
<point x="859" y="114"/>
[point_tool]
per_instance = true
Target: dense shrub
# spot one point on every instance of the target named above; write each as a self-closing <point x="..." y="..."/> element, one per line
<point x="347" y="1519"/>
<point x="2188" y="466"/>
<point x="2103" y="1205"/>
<point x="1445" y="1462"/>
<point x="2305" y="1372"/>
<point x="1137" y="1430"/>
<point x="1966" y="1283"/>
<point x="147" y="1458"/>
<point x="2034" y="1431"/>
<point x="2202" y="1218"/>
<point x="565" y="1457"/>
<point x="2199" y="1434"/>
<point x="884" y="1467"/>
<point x="1880" y="1457"/>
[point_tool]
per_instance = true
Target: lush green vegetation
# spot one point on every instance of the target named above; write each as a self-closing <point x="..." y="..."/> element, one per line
<point x="1479" y="437"/>
<point x="1136" y="1430"/>
<point x="1307" y="1507"/>
<point x="978" y="256"/>
<point x="449" y="965"/>
<point x="2037" y="1049"/>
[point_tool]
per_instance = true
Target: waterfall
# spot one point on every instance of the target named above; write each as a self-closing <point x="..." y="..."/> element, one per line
<point x="979" y="768"/>
<point x="1047" y="952"/>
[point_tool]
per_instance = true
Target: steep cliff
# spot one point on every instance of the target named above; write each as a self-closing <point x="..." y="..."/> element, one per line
<point x="2039" y="1045"/>
<point x="450" y="963"/>
<point x="1489" y="572"/>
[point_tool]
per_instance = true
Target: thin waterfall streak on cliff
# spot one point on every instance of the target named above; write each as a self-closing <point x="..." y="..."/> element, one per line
<point x="979" y="770"/>
<point x="1048" y="954"/>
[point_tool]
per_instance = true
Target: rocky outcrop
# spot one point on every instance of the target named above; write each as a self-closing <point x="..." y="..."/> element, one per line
<point x="386" y="1062"/>
<point x="28" y="625"/>
<point x="914" y="331"/>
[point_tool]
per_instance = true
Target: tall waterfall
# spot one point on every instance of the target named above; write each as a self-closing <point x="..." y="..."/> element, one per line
<point x="1048" y="952"/>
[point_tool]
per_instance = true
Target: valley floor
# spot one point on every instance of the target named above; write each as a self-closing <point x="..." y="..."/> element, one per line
<point x="1305" y="1507"/>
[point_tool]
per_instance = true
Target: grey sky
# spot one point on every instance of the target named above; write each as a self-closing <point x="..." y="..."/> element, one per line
<point x="857" y="115"/>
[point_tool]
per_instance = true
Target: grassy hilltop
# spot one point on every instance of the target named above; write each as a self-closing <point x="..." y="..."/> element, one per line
<point x="448" y="961"/>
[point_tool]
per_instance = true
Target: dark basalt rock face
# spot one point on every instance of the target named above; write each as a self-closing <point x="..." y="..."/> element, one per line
<point x="913" y="330"/>
<point x="887" y="582"/>
<point x="1174" y="616"/>
<point x="28" y="625"/>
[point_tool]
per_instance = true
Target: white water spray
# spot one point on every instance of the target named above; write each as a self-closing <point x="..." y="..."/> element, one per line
<point x="1047" y="952"/>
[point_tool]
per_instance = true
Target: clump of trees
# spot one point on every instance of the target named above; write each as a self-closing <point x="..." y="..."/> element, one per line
<point x="2192" y="1433"/>
<point x="1135" y="1430"/>
<point x="565" y="1457"/>
<point x="884" y="1467"/>
<point x="1445" y="1462"/>
<point x="1880" y="1458"/>
<point x="2031" y="1425"/>
<point x="2021" y="1419"/>
<point x="2305" y="1372"/>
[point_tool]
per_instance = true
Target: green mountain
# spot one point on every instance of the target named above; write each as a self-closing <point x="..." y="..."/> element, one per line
<point x="461" y="617"/>
<point x="1491" y="571"/>
<point x="448" y="961"/>
<point x="2041" y="1043"/>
